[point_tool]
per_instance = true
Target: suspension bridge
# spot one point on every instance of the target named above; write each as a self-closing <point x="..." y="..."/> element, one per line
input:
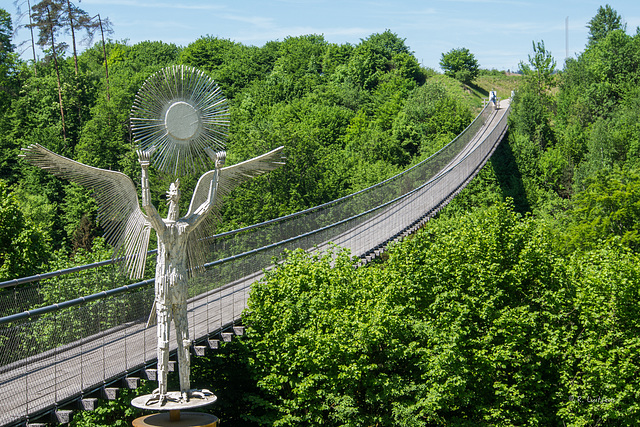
<point x="68" y="349"/>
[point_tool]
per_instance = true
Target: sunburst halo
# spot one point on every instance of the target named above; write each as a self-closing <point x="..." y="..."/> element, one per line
<point x="178" y="112"/>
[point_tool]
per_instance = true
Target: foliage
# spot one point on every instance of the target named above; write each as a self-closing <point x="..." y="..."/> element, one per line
<point x="500" y="179"/>
<point x="77" y="19"/>
<point x="425" y="123"/>
<point x="232" y="65"/>
<point x="540" y="68"/>
<point x="6" y="30"/>
<point x="531" y="117"/>
<point x="460" y="64"/>
<point x="118" y="412"/>
<point x="608" y="210"/>
<point x="603" y="346"/>
<point x="319" y="374"/>
<point x="7" y="58"/>
<point x="68" y="287"/>
<point x="485" y="317"/>
<point x="605" y="21"/>
<point x="331" y="105"/>
<point x="476" y="320"/>
<point x="234" y="388"/>
<point x="48" y="19"/>
<point x="583" y="118"/>
<point x="544" y="170"/>
<point x="380" y="54"/>
<point x="24" y="245"/>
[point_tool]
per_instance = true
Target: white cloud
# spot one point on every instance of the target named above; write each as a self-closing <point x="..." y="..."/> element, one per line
<point x="507" y="2"/>
<point x="337" y="34"/>
<point x="156" y="5"/>
<point x="257" y="21"/>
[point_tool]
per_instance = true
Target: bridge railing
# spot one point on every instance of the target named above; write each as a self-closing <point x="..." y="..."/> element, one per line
<point x="73" y="332"/>
<point x="55" y="287"/>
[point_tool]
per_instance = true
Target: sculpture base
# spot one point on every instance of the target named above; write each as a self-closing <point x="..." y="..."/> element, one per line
<point x="186" y="419"/>
<point x="172" y="407"/>
<point x="174" y="402"/>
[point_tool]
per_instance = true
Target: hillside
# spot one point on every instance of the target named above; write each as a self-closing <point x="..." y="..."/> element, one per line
<point x="348" y="116"/>
<point x="473" y="94"/>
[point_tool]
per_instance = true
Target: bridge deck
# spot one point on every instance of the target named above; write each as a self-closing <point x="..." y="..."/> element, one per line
<point x="374" y="231"/>
<point x="41" y="382"/>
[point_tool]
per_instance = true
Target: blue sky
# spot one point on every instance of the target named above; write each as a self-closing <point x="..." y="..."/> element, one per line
<point x="498" y="32"/>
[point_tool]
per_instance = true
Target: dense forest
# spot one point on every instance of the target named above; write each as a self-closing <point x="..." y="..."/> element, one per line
<point x="516" y="305"/>
<point x="348" y="115"/>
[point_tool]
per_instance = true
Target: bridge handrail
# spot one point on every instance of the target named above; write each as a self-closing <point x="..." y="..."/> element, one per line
<point x="102" y="294"/>
<point x="97" y="339"/>
<point x="23" y="280"/>
<point x="125" y="288"/>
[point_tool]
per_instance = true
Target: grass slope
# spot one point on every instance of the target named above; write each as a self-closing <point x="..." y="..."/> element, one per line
<point x="473" y="94"/>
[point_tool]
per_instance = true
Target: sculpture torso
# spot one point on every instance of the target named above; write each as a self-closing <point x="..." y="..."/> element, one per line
<point x="171" y="267"/>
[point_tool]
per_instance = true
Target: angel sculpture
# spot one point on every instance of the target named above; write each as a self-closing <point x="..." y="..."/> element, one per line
<point x="180" y="239"/>
<point x="178" y="115"/>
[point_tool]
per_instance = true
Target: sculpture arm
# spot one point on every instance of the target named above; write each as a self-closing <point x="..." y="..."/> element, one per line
<point x="204" y="210"/>
<point x="152" y="213"/>
<point x="194" y="219"/>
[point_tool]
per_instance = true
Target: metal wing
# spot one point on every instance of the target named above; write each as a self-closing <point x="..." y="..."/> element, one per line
<point x="126" y="227"/>
<point x="232" y="176"/>
<point x="229" y="178"/>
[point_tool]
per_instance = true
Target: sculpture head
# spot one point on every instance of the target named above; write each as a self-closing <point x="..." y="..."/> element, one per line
<point x="173" y="198"/>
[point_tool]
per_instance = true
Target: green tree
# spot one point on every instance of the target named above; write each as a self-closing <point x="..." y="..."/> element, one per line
<point x="23" y="245"/>
<point x="336" y="55"/>
<point x="533" y="103"/>
<point x="388" y="42"/>
<point x="299" y="64"/>
<point x="6" y="31"/>
<point x="540" y="68"/>
<point x="608" y="210"/>
<point x="476" y="320"/>
<point x="207" y="53"/>
<point x="7" y="61"/>
<point x="430" y="118"/>
<point x="377" y="55"/>
<point x="460" y="64"/>
<point x="452" y="329"/>
<point x="605" y="21"/>
<point x="232" y="65"/>
<point x="76" y="19"/>
<point x="601" y="337"/>
<point x="531" y="117"/>
<point x="597" y="108"/>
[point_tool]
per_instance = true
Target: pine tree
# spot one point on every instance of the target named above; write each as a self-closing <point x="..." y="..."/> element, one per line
<point x="105" y="26"/>
<point x="48" y="20"/>
<point x="74" y="19"/>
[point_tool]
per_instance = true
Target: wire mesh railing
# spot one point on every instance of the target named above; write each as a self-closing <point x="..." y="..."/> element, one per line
<point x="57" y="347"/>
